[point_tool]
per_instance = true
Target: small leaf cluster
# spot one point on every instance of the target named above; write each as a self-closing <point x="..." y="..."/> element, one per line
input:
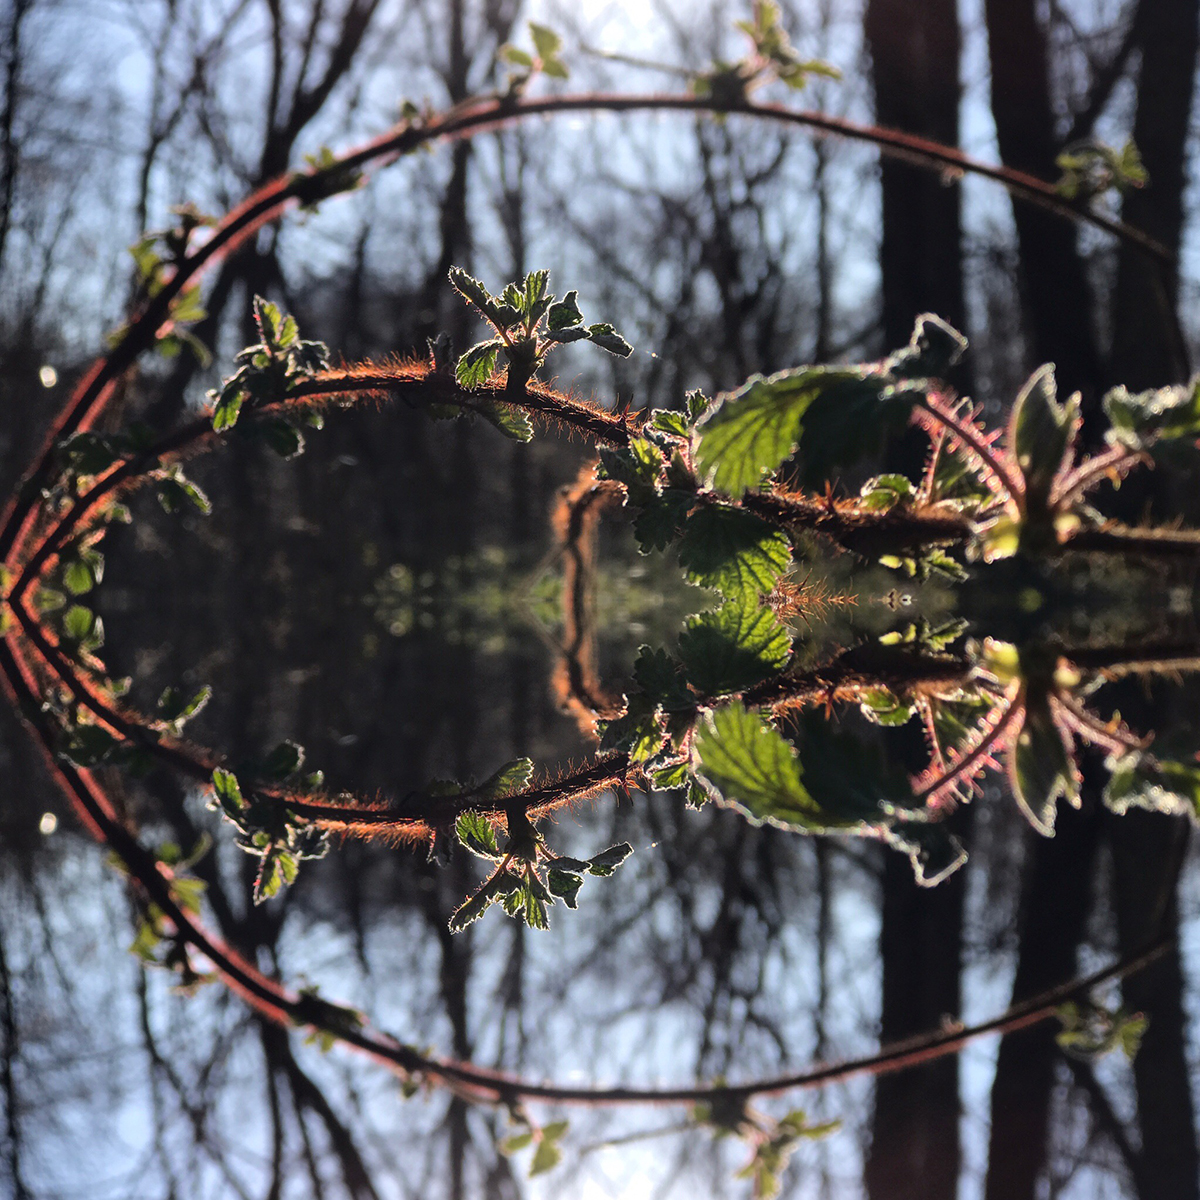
<point x="1091" y="168"/>
<point x="771" y="1142"/>
<point x="157" y="943"/>
<point x="266" y="827"/>
<point x="721" y="546"/>
<point x="527" y="876"/>
<point x="266" y="371"/>
<point x="545" y="59"/>
<point x="1090" y="1031"/>
<point x="773" y="57"/>
<point x="547" y="1140"/>
<point x="156" y="254"/>
<point x="528" y="322"/>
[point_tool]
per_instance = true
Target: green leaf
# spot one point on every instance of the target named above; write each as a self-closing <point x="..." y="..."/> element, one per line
<point x="733" y="648"/>
<point x="668" y="778"/>
<point x="749" y="434"/>
<point x="607" y="338"/>
<point x="79" y="577"/>
<point x="607" y="861"/>
<point x="175" y="709"/>
<point x="514" y="56"/>
<point x="662" y="518"/>
<point x="471" y="909"/>
<point x="281" y="436"/>
<point x="90" y="746"/>
<point x="510" y="420"/>
<point x="515" y="1142"/>
<point x="1157" y="784"/>
<point x="228" y="792"/>
<point x="546" y="42"/>
<point x="1041" y="430"/>
<point x="478" y="364"/>
<point x="476" y="833"/>
<point x="565" y="314"/>
<point x="78" y="622"/>
<point x="1041" y="767"/>
<point x="660" y="677"/>
<point x="733" y="551"/>
<point x="1161" y="414"/>
<point x="885" y="492"/>
<point x="286" y="759"/>
<point x="269" y="320"/>
<point x="511" y="778"/>
<point x="754" y="768"/>
<point x="545" y="1158"/>
<point x="565" y="884"/>
<point x="668" y="421"/>
<point x="227" y="410"/>
<point x="932" y="351"/>
<point x="884" y="707"/>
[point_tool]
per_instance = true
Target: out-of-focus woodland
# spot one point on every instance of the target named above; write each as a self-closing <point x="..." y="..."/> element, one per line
<point x="390" y="598"/>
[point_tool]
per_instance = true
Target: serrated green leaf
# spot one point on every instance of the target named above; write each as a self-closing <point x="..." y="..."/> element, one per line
<point x="754" y="768"/>
<point x="932" y="351"/>
<point x="750" y="433"/>
<point x="733" y="648"/>
<point x="476" y="833"/>
<point x="227" y="410"/>
<point x="607" y="338"/>
<point x="228" y="791"/>
<point x="281" y="436"/>
<point x="733" y="551"/>
<point x="478" y="364"/>
<point x="510" y="420"/>
<point x="672" y="776"/>
<point x="668" y="421"/>
<point x="885" y="708"/>
<point x="885" y="492"/>
<point x="607" y="861"/>
<point x="662" y="518"/>
<point x="1162" y="414"/>
<point x="284" y="760"/>
<point x="565" y="314"/>
<point x="269" y="320"/>
<point x="471" y="909"/>
<point x="566" y="885"/>
<point x="511" y="778"/>
<point x="1041" y="767"/>
<point x="660" y="677"/>
<point x="1040" y="431"/>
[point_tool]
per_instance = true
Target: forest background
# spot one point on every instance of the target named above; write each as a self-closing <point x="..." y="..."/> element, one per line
<point x="359" y="599"/>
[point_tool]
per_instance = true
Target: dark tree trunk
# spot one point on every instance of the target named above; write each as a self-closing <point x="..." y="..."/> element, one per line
<point x="1055" y="901"/>
<point x="1055" y="294"/>
<point x="914" y="53"/>
<point x="1148" y="350"/>
<point x="914" y="1135"/>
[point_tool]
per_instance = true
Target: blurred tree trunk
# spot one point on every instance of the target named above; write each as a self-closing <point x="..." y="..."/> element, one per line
<point x="914" y="1140"/>
<point x="1056" y="898"/>
<point x="1148" y="351"/>
<point x="1058" y="303"/>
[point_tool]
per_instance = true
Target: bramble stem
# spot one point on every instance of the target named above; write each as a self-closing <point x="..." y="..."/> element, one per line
<point x="461" y="121"/>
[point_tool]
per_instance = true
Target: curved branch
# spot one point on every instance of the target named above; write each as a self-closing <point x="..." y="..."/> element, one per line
<point x="466" y="120"/>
